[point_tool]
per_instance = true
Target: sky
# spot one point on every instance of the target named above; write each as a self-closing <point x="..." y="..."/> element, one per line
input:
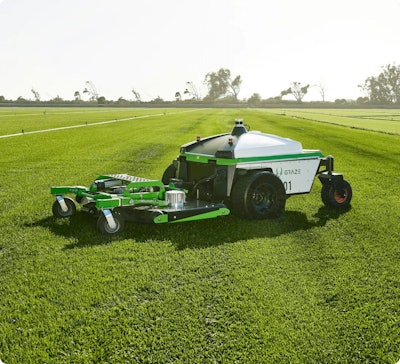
<point x="157" y="46"/>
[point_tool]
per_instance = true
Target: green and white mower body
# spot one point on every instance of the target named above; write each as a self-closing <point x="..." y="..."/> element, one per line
<point x="247" y="172"/>
<point x="254" y="173"/>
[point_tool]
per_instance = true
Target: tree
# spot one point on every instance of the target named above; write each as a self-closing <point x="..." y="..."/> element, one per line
<point x="35" y="94"/>
<point x="137" y="95"/>
<point x="57" y="99"/>
<point x="178" y="96"/>
<point x="254" y="99"/>
<point x="384" y="88"/>
<point x="91" y="90"/>
<point x="122" y="100"/>
<point x="297" y="90"/>
<point x="362" y="100"/>
<point x="101" y="100"/>
<point x="220" y="84"/>
<point x="157" y="100"/>
<point x="77" y="96"/>
<point x="234" y="87"/>
<point x="21" y="99"/>
<point x="322" y="90"/>
<point x="192" y="90"/>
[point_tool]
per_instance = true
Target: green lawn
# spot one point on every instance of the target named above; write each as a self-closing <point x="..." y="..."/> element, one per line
<point x="383" y="120"/>
<point x="315" y="286"/>
<point x="14" y="120"/>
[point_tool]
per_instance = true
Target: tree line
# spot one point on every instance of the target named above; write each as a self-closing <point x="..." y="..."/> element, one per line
<point x="223" y="88"/>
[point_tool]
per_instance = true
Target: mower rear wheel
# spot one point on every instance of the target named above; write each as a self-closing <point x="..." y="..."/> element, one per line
<point x="258" y="196"/>
<point x="59" y="212"/>
<point x="104" y="227"/>
<point x="336" y="196"/>
<point x="169" y="174"/>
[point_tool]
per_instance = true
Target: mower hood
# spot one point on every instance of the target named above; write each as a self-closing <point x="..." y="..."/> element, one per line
<point x="241" y="143"/>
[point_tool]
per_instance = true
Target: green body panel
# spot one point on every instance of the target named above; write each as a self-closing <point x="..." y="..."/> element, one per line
<point x="162" y="219"/>
<point x="127" y="201"/>
<point x="203" y="158"/>
<point x="60" y="190"/>
<point x="207" y="215"/>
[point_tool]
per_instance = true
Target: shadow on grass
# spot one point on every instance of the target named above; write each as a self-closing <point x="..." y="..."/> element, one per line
<point x="196" y="234"/>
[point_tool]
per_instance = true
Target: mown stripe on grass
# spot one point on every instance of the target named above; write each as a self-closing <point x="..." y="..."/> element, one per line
<point x="84" y="125"/>
<point x="386" y="124"/>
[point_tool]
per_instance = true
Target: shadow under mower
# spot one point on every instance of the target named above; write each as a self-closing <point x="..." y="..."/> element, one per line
<point x="247" y="172"/>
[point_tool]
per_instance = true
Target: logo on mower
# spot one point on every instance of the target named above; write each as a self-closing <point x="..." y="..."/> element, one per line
<point x="287" y="172"/>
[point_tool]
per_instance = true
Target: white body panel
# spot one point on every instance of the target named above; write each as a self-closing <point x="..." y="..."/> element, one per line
<point x="256" y="144"/>
<point x="297" y="175"/>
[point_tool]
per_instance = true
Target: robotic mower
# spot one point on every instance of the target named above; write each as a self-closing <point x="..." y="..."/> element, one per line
<point x="248" y="173"/>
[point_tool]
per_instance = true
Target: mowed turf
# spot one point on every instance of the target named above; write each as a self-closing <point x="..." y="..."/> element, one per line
<point x="315" y="286"/>
<point x="16" y="120"/>
<point x="380" y="120"/>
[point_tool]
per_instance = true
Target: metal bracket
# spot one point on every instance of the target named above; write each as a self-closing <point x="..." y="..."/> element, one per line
<point x="110" y="219"/>
<point x="62" y="203"/>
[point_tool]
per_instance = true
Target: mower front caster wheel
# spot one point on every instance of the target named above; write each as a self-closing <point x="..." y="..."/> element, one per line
<point x="63" y="207"/>
<point x="336" y="195"/>
<point x="104" y="227"/>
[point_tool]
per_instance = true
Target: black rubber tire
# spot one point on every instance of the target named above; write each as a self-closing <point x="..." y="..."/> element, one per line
<point x="336" y="196"/>
<point x="104" y="228"/>
<point x="258" y="196"/>
<point x="169" y="174"/>
<point x="58" y="211"/>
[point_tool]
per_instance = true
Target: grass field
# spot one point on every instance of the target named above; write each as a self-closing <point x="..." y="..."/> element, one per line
<point x="14" y="120"/>
<point x="381" y="120"/>
<point x="315" y="286"/>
